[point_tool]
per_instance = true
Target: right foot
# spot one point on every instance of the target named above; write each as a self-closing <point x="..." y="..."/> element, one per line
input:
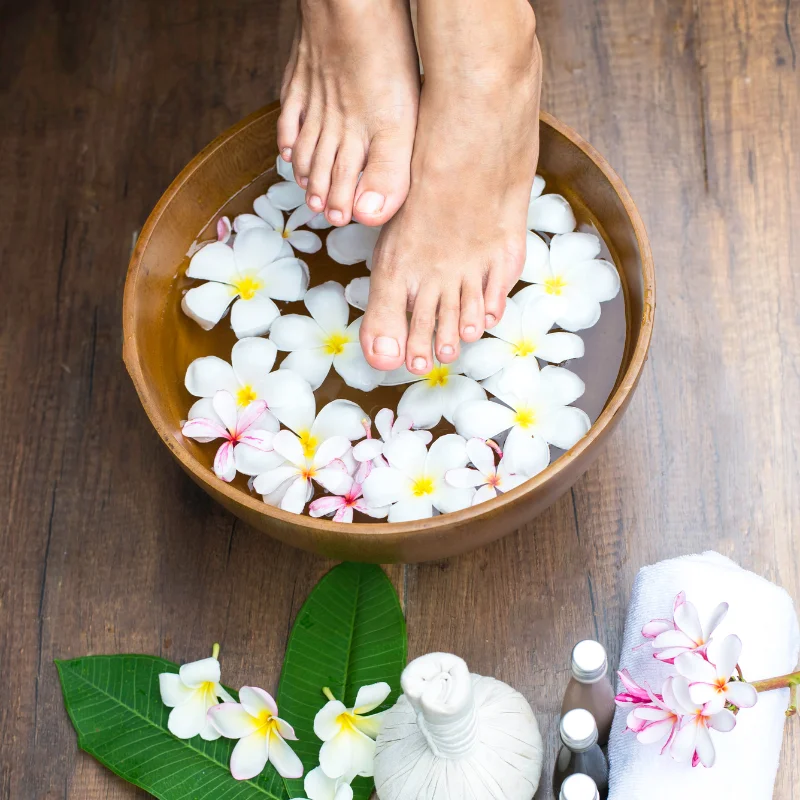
<point x="349" y="103"/>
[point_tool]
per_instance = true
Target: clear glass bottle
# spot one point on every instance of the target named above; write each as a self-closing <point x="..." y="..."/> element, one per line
<point x="579" y="787"/>
<point x="590" y="686"/>
<point x="580" y="753"/>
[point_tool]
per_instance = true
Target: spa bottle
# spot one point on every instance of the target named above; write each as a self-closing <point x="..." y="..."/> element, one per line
<point x="580" y="753"/>
<point x="590" y="687"/>
<point x="579" y="787"/>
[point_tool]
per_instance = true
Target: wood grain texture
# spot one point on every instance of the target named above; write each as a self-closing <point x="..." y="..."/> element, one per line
<point x="108" y="547"/>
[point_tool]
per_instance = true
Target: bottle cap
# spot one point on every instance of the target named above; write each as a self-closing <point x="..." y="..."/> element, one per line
<point x="579" y="787"/>
<point x="589" y="661"/>
<point x="578" y="730"/>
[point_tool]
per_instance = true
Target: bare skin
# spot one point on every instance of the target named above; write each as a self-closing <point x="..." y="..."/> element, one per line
<point x="454" y="250"/>
<point x="349" y="103"/>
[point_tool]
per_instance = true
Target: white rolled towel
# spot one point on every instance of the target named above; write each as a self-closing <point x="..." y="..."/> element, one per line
<point x="764" y="617"/>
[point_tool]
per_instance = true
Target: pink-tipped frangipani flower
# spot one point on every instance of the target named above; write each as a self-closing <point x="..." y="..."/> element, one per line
<point x="262" y="735"/>
<point x="687" y="634"/>
<point x="659" y="719"/>
<point x="247" y="427"/>
<point x="710" y="681"/>
<point x="693" y="740"/>
<point x="342" y="506"/>
<point x="633" y="694"/>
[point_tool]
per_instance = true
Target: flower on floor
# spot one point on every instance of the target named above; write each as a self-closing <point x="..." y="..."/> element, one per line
<point x="267" y="217"/>
<point x="190" y="694"/>
<point x="489" y="480"/>
<point x="568" y="281"/>
<point x="319" y="786"/>
<point x="247" y="275"/>
<point x="357" y="293"/>
<point x="342" y="505"/>
<point x="287" y="195"/>
<point x="414" y="482"/>
<point x="549" y="213"/>
<point x="437" y="394"/>
<point x="523" y="333"/>
<point x="711" y="679"/>
<point x="658" y="719"/>
<point x="262" y="735"/>
<point x="371" y="449"/>
<point x="684" y="633"/>
<point x="348" y="734"/>
<point x="247" y="427"/>
<point x="325" y="339"/>
<point x="353" y="243"/>
<point x="535" y="410"/>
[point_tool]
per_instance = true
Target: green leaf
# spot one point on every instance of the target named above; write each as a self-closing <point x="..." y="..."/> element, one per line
<point x="349" y="633"/>
<point x="115" y="704"/>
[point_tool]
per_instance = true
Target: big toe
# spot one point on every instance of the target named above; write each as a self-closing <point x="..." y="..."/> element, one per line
<point x="383" y="187"/>
<point x="385" y="329"/>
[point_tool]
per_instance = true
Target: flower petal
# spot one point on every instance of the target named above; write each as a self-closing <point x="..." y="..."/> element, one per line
<point x="253" y="317"/>
<point x="560" y="346"/>
<point x="483" y="418"/>
<point x="688" y="621"/>
<point x="326" y="722"/>
<point x="206" y="304"/>
<point x="458" y="390"/>
<point x="188" y="719"/>
<point x="385" y="486"/>
<point x="577" y="309"/>
<point x="232" y="720"/>
<point x="407" y="510"/>
<point x="284" y="169"/>
<point x="355" y="370"/>
<point x="269" y="212"/>
<point x="252" y="461"/>
<point x="203" y="430"/>
<point x="285" y="279"/>
<point x="550" y="213"/>
<point x="704" y="747"/>
<point x="330" y="449"/>
<point x="484" y="494"/>
<point x="481" y="359"/>
<point x="290" y="447"/>
<point x="255" y="248"/>
<point x="252" y="359"/>
<point x="717" y="615"/>
<point x="683" y="745"/>
<point x="352" y="243"/>
<point x="305" y="241"/>
<point x="327" y="305"/>
<point x="724" y="721"/>
<point x="481" y="455"/>
<point x="296" y="496"/>
<point x="560" y="387"/>
<point x="357" y="293"/>
<point x="196" y="673"/>
<point x="537" y="260"/>
<point x="174" y="691"/>
<point x="525" y="454"/>
<point x="406" y="453"/>
<point x="283" y="758"/>
<point x="573" y="248"/>
<point x="249" y="757"/>
<point x="323" y="506"/>
<point x="741" y="694"/>
<point x="564" y="427"/>
<point x="289" y="398"/>
<point x="225" y="462"/>
<point x="286" y="195"/>
<point x="213" y="262"/>
<point x="464" y="478"/>
<point x="368" y="449"/>
<point x="538" y="187"/>
<point x="340" y="418"/>
<point x="319" y="786"/>
<point x="422" y="403"/>
<point x="269" y="481"/>
<point x="370" y="697"/>
<point x="446" y="453"/>
<point x="654" y="732"/>
<point x="246" y="222"/>
<point x="370" y="726"/>
<point x="349" y="752"/>
<point x="319" y="222"/>
<point x="296" y="332"/>
<point x="313" y="365"/>
<point x="448" y="499"/>
<point x="724" y="655"/>
<point x="599" y="279"/>
<point x="256" y="701"/>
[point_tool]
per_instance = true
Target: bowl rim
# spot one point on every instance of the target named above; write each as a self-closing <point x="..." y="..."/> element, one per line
<point x="324" y="529"/>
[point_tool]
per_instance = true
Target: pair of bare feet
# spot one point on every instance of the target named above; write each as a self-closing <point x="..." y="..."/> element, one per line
<point x="447" y="169"/>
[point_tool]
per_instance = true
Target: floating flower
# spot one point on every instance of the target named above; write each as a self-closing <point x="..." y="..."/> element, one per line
<point x="687" y="634"/>
<point x="248" y="275"/>
<point x="414" y="482"/>
<point x="569" y="282"/>
<point x="550" y="213"/>
<point x="342" y="505"/>
<point x="711" y="682"/>
<point x="325" y="339"/>
<point x="485" y="477"/>
<point x="190" y="694"/>
<point x="353" y="243"/>
<point x="319" y="786"/>
<point x="348" y="735"/>
<point x="434" y="395"/>
<point x="267" y="217"/>
<point x="287" y="195"/>
<point x="262" y="735"/>
<point x="536" y="413"/>
<point x="388" y="427"/>
<point x="693" y="740"/>
<point x="523" y="333"/>
<point x="247" y="427"/>
<point x="657" y="720"/>
<point x="357" y="292"/>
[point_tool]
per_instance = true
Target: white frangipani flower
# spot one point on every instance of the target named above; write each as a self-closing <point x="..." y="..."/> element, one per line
<point x="248" y="275"/>
<point x="485" y="477"/>
<point x="569" y="282"/>
<point x="190" y="694"/>
<point x="434" y="395"/>
<point x="267" y="217"/>
<point x="319" y="786"/>
<point x="414" y="482"/>
<point x="262" y="735"/>
<point x="523" y="333"/>
<point x="325" y="339"/>
<point x="287" y="195"/>
<point x="357" y="292"/>
<point x="224" y="230"/>
<point x="536" y="413"/>
<point x="371" y="449"/>
<point x="348" y="734"/>
<point x="550" y="213"/>
<point x="353" y="243"/>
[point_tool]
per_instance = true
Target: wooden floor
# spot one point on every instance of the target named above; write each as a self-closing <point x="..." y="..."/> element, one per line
<point x="105" y="546"/>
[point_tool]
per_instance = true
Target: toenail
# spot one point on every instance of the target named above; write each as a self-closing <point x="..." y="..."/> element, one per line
<point x="385" y="346"/>
<point x="490" y="320"/>
<point x="370" y="203"/>
<point x="469" y="330"/>
<point x="447" y="350"/>
<point x="286" y="154"/>
<point x="334" y="215"/>
<point x="303" y="182"/>
<point x="419" y="363"/>
<point x="315" y="201"/>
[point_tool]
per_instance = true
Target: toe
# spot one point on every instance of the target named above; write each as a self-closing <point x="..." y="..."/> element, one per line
<point x="384" y="330"/>
<point x="289" y="127"/>
<point x="419" y="358"/>
<point x="384" y="185"/>
<point x="447" y="338"/>
<point x="494" y="297"/>
<point x="304" y="147"/>
<point x="349" y="163"/>
<point x="319" y="179"/>
<point x="471" y="323"/>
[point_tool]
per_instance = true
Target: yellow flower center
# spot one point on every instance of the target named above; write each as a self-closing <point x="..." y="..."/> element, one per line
<point x="266" y="722"/>
<point x="245" y="396"/>
<point x="346" y="720"/>
<point x="308" y="473"/>
<point x="421" y="487"/>
<point x="309" y="442"/>
<point x="554" y="285"/>
<point x="247" y="287"/>
<point x="334" y="344"/>
<point x="438" y="376"/>
<point x="525" y="418"/>
<point x="524" y="348"/>
<point x="493" y="480"/>
<point x="286" y="233"/>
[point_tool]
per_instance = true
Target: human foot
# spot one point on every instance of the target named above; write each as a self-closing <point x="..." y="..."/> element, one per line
<point x="457" y="246"/>
<point x="349" y="103"/>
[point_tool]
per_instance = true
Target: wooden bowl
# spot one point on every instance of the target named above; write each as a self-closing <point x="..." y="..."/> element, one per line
<point x="195" y="198"/>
